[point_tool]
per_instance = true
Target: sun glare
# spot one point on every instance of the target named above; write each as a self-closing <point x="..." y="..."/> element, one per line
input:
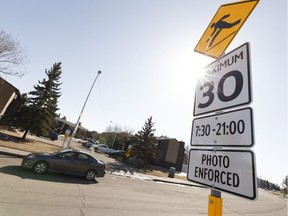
<point x="199" y="64"/>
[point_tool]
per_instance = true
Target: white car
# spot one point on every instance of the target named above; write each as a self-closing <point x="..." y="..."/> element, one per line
<point x="103" y="148"/>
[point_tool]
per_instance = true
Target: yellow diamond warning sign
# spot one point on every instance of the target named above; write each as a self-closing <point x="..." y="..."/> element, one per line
<point x="224" y="26"/>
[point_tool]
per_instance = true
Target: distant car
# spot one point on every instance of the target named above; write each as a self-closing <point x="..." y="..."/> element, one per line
<point x="91" y="140"/>
<point x="103" y="148"/>
<point x="66" y="161"/>
<point x="89" y="144"/>
<point x="53" y="136"/>
<point x="118" y="154"/>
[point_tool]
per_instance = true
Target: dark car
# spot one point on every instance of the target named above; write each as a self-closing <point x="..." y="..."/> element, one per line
<point x="67" y="161"/>
<point x="53" y="136"/>
<point x="118" y="154"/>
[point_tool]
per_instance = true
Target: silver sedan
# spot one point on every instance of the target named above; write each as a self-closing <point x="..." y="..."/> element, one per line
<point x="67" y="161"/>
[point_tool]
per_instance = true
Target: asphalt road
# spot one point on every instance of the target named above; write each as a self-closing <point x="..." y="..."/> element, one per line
<point x="23" y="192"/>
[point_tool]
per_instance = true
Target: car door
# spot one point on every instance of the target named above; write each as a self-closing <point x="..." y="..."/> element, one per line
<point x="63" y="162"/>
<point x="82" y="163"/>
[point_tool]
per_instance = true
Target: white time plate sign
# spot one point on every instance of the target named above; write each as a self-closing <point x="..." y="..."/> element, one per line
<point x="230" y="129"/>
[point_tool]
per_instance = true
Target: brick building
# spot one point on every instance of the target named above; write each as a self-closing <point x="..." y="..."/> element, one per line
<point x="10" y="98"/>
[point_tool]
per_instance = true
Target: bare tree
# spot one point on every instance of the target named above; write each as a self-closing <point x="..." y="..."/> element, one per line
<point x="114" y="128"/>
<point x="128" y="130"/>
<point x="11" y="55"/>
<point x="117" y="128"/>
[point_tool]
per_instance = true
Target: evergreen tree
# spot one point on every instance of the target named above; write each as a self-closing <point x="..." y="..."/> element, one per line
<point x="145" y="147"/>
<point x="17" y="118"/>
<point x="40" y="107"/>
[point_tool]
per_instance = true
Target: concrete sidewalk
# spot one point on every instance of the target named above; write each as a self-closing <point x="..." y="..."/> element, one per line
<point x="13" y="152"/>
<point x="20" y="154"/>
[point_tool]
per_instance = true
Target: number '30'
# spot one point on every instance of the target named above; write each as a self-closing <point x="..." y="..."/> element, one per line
<point x="209" y="87"/>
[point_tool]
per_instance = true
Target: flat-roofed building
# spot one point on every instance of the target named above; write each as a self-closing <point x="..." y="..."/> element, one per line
<point x="171" y="153"/>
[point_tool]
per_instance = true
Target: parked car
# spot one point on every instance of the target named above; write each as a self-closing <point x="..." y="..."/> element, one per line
<point x="53" y="136"/>
<point x="103" y="148"/>
<point x="89" y="144"/>
<point x="66" y="161"/>
<point x="91" y="140"/>
<point x="118" y="154"/>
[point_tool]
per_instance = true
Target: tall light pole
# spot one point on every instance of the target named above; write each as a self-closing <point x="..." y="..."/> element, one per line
<point x="114" y="134"/>
<point x="81" y="113"/>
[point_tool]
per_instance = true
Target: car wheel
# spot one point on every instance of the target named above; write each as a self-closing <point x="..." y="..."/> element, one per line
<point x="90" y="175"/>
<point x="40" y="167"/>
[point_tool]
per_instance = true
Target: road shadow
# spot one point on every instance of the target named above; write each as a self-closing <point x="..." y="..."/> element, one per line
<point x="25" y="173"/>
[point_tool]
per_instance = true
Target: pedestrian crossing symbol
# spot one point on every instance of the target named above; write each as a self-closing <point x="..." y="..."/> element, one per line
<point x="224" y="26"/>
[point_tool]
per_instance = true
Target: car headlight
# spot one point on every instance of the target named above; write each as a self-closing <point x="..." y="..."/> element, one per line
<point x="31" y="156"/>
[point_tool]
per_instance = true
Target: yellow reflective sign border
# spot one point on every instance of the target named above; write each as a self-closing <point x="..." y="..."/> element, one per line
<point x="223" y="27"/>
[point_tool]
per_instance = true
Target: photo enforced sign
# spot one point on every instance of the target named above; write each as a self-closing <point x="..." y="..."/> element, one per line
<point x="232" y="171"/>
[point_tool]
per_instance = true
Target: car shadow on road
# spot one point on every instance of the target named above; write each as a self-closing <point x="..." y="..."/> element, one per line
<point x="24" y="173"/>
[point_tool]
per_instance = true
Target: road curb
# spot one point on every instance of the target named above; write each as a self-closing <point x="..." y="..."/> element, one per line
<point x="179" y="183"/>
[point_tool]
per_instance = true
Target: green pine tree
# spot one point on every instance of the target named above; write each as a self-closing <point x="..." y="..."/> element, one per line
<point x="145" y="147"/>
<point x="39" y="109"/>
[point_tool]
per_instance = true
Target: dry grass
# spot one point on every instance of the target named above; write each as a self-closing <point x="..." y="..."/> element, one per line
<point x="30" y="146"/>
<point x="15" y="142"/>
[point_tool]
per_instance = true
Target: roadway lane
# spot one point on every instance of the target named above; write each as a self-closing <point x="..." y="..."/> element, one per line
<point x="24" y="193"/>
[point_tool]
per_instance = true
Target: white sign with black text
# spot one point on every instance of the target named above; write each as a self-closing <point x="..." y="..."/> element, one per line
<point x="230" y="129"/>
<point x="225" y="83"/>
<point x="232" y="171"/>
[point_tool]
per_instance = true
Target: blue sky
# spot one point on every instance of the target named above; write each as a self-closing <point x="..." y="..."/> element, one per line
<point x="145" y="52"/>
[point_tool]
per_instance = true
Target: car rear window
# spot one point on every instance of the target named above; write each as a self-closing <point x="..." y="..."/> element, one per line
<point x="83" y="157"/>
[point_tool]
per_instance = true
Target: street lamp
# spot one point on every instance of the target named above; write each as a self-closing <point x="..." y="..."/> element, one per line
<point x="114" y="134"/>
<point x="81" y="113"/>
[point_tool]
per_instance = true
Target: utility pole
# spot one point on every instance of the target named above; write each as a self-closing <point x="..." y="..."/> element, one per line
<point x="81" y="113"/>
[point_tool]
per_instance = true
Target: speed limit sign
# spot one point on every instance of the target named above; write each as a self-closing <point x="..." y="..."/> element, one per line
<point x="225" y="83"/>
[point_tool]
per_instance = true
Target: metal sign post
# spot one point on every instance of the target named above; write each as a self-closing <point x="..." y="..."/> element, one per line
<point x="215" y="203"/>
